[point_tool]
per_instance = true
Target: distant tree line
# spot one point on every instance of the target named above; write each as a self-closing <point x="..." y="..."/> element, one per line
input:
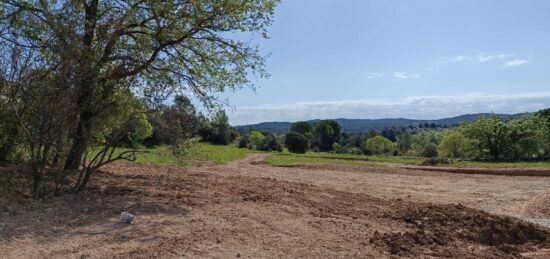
<point x="489" y="139"/>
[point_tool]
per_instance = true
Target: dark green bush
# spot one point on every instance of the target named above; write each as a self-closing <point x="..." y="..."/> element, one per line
<point x="270" y="143"/>
<point x="296" y="142"/>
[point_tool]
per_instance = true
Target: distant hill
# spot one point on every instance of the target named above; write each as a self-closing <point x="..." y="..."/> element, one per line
<point x="365" y="125"/>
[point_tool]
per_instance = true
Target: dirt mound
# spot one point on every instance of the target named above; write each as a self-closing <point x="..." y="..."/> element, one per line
<point x="436" y="226"/>
<point x="539" y="207"/>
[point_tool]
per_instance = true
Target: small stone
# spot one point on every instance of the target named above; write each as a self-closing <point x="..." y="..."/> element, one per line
<point x="126" y="217"/>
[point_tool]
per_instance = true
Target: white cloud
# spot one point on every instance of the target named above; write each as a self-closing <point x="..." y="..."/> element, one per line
<point x="374" y="75"/>
<point x="417" y="107"/>
<point x="485" y="58"/>
<point x="403" y="75"/>
<point x="457" y="59"/>
<point x="516" y="62"/>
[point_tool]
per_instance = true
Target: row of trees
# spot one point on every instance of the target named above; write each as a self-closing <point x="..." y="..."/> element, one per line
<point x="321" y="136"/>
<point x="492" y="139"/>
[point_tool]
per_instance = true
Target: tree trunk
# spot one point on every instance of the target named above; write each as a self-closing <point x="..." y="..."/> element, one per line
<point x="78" y="148"/>
<point x="37" y="177"/>
<point x="85" y="181"/>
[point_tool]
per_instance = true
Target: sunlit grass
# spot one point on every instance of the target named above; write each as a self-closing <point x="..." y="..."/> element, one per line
<point x="200" y="152"/>
<point x="310" y="158"/>
<point x="475" y="164"/>
<point x="289" y="159"/>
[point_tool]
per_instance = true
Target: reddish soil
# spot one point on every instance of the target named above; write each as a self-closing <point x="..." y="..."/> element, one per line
<point x="248" y="209"/>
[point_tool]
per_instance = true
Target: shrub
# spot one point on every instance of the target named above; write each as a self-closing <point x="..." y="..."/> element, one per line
<point x="453" y="145"/>
<point x="244" y="142"/>
<point x="423" y="139"/>
<point x="404" y="142"/>
<point x="270" y="143"/>
<point x="379" y="145"/>
<point x="255" y="138"/>
<point x="429" y="150"/>
<point x="296" y="142"/>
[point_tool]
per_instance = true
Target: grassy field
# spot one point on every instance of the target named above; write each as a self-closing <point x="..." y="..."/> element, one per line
<point x="200" y="152"/>
<point x="475" y="164"/>
<point x="223" y="154"/>
<point x="289" y="160"/>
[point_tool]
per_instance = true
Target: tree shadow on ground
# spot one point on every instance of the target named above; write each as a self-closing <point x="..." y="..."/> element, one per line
<point x="94" y="211"/>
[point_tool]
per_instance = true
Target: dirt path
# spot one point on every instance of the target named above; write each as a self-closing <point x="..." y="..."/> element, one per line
<point x="505" y="195"/>
<point x="251" y="210"/>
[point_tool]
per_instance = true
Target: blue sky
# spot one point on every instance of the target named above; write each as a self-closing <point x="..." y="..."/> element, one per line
<point x="420" y="59"/>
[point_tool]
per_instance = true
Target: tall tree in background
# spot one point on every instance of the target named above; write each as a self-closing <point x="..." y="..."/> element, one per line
<point x="100" y="49"/>
<point x="173" y="123"/>
<point x="544" y="115"/>
<point x="326" y="133"/>
<point x="302" y="127"/>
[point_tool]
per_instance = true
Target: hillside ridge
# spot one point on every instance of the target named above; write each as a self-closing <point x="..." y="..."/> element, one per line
<point x="365" y="125"/>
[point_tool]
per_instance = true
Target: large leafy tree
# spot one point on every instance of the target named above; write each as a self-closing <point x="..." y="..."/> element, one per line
<point x="296" y="142"/>
<point x="544" y="115"/>
<point x="495" y="139"/>
<point x="326" y="133"/>
<point x="303" y="127"/>
<point x="99" y="48"/>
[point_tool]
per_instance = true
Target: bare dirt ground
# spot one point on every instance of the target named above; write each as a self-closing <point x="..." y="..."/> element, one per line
<point x="251" y="210"/>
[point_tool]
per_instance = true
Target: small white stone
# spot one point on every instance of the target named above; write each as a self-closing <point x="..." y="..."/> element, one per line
<point x="126" y="217"/>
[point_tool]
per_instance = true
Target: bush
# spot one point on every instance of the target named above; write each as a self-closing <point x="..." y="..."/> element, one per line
<point x="244" y="142"/>
<point x="404" y="142"/>
<point x="296" y="142"/>
<point x="453" y="145"/>
<point x="423" y="139"/>
<point x="270" y="143"/>
<point x="218" y="131"/>
<point x="255" y="138"/>
<point x="429" y="150"/>
<point x="379" y="145"/>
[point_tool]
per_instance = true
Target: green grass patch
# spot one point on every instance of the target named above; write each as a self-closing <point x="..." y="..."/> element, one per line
<point x="218" y="154"/>
<point x="290" y="160"/>
<point x="199" y="152"/>
<point x="476" y="164"/>
<point x="310" y="158"/>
